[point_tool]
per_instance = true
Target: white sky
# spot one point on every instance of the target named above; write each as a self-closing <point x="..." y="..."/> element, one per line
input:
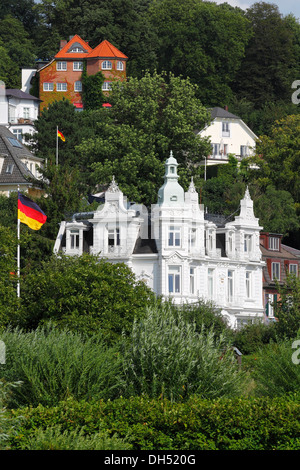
<point x="285" y="6"/>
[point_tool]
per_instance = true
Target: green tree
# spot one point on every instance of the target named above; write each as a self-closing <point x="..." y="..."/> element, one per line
<point x="202" y="41"/>
<point x="266" y="72"/>
<point x="149" y="117"/>
<point x="84" y="294"/>
<point x="280" y="156"/>
<point x="19" y="47"/>
<point x="288" y="308"/>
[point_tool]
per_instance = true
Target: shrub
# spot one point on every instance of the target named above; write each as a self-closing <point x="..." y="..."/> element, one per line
<point x="252" y="336"/>
<point x="83" y="294"/>
<point x="55" y="438"/>
<point x="155" y="424"/>
<point x="54" y="364"/>
<point x="275" y="372"/>
<point x="9" y="426"/>
<point x="166" y="356"/>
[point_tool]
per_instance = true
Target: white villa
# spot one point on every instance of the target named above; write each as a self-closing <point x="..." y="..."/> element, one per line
<point x="228" y="134"/>
<point x="176" y="250"/>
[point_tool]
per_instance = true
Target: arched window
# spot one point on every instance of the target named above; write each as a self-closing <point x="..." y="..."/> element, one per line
<point x="106" y="65"/>
<point x="120" y="65"/>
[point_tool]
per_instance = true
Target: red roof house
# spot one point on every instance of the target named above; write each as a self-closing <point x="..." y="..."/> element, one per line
<point x="61" y="77"/>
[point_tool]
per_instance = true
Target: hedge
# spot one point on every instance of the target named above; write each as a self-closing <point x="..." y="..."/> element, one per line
<point x="148" y="424"/>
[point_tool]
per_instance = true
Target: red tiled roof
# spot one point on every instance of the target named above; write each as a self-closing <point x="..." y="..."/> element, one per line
<point x="64" y="54"/>
<point x="106" y="49"/>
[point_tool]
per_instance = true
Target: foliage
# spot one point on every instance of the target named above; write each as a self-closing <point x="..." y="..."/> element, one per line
<point x="276" y="211"/>
<point x="253" y="336"/>
<point x="19" y="48"/>
<point x="92" y="95"/>
<point x="54" y="364"/>
<point x="167" y="357"/>
<point x="189" y="44"/>
<point x="275" y="372"/>
<point x="205" y="316"/>
<point x="281" y="156"/>
<point x="83" y="294"/>
<point x="55" y="439"/>
<point x="268" y="68"/>
<point x="288" y="308"/>
<point x="149" y="117"/>
<point x="158" y="424"/>
<point x="9" y="425"/>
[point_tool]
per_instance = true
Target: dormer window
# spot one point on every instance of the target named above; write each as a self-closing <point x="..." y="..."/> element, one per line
<point x="76" y="49"/>
<point x="113" y="237"/>
<point x="247" y="243"/>
<point x="74" y="239"/>
<point x="274" y="243"/>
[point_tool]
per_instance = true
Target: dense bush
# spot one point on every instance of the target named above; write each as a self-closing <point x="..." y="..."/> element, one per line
<point x="254" y="335"/>
<point x="276" y="370"/>
<point x="83" y="294"/>
<point x="167" y="356"/>
<point x="54" y="364"/>
<point x="224" y="424"/>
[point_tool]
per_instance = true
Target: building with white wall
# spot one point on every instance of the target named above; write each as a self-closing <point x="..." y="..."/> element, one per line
<point x="175" y="249"/>
<point x="228" y="135"/>
<point x="18" y="111"/>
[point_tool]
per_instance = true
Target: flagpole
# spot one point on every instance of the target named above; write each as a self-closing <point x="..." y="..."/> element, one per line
<point x="18" y="255"/>
<point x="56" y="145"/>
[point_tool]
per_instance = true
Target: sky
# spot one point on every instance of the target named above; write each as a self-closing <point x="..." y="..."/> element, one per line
<point x="285" y="6"/>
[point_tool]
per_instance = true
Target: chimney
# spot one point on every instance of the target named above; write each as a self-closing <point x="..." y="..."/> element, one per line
<point x="63" y="42"/>
<point x="226" y="108"/>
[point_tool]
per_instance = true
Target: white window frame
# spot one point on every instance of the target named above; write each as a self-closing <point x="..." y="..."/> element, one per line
<point x="61" y="66"/>
<point x="274" y="243"/>
<point x="225" y="129"/>
<point x="275" y="266"/>
<point x="247" y="243"/>
<point x="294" y="270"/>
<point x="77" y="49"/>
<point x="48" y="86"/>
<point x="174" y="236"/>
<point x="106" y="65"/>
<point x="78" y="65"/>
<point x="120" y="65"/>
<point x="113" y="237"/>
<point x="26" y="112"/>
<point x="19" y="134"/>
<point x="106" y="86"/>
<point x="244" y="150"/>
<point x="215" y="149"/>
<point x="61" y="86"/>
<point x="174" y="279"/>
<point x="74" y="239"/>
<point x="78" y="86"/>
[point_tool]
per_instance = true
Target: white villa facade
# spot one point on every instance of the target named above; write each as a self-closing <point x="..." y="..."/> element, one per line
<point x="228" y="134"/>
<point x="175" y="249"/>
<point x="18" y="111"/>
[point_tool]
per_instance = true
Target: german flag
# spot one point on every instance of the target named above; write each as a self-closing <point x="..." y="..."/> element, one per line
<point x="30" y="213"/>
<point x="60" y="134"/>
